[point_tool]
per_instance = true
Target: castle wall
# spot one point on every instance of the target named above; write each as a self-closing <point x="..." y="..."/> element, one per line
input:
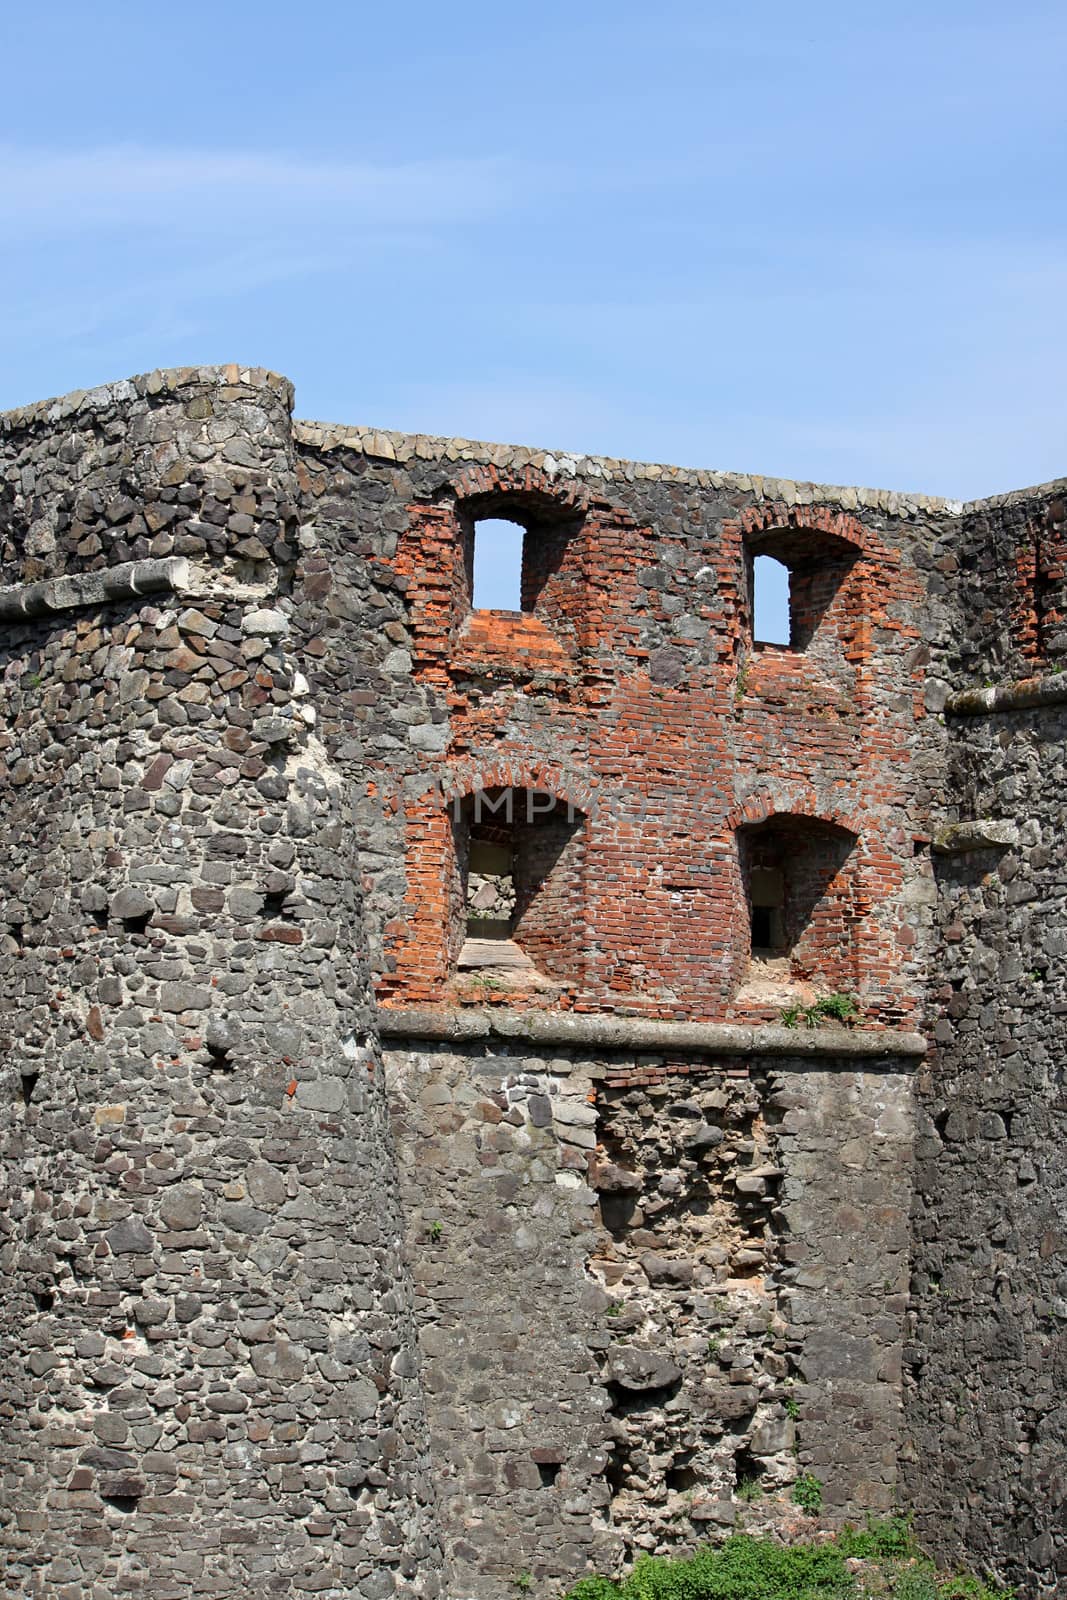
<point x="633" y="691"/>
<point x="656" y="1246"/>
<point x="208" y="1363"/>
<point x="648" y="708"/>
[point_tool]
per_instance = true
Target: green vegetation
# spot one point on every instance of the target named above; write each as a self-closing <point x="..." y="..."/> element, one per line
<point x="744" y="1568"/>
<point x="883" y="1537"/>
<point x="828" y="1008"/>
<point x="807" y="1493"/>
<point x="485" y="984"/>
<point x="748" y="1568"/>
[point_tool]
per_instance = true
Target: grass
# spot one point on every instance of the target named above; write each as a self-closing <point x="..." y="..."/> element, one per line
<point x="749" y="1568"/>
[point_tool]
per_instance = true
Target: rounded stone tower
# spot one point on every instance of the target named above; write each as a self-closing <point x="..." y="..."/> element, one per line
<point x="208" y="1379"/>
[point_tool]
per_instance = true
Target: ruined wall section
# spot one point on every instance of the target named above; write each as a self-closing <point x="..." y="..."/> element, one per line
<point x="653" y="1288"/>
<point x="209" y="1375"/>
<point x="350" y="617"/>
<point x="657" y="718"/>
<point x="1006" y="565"/>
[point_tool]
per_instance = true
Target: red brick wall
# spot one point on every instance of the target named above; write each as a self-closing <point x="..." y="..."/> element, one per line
<point x="634" y="689"/>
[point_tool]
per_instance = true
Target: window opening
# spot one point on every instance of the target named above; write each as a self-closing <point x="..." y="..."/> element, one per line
<point x="491" y="885"/>
<point x="771" y="601"/>
<point x="767" y="893"/>
<point x="518" y="889"/>
<point x="799" y="898"/>
<point x="497" y="575"/>
<point x="795" y="578"/>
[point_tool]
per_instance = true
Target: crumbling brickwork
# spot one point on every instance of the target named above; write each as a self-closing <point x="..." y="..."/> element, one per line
<point x="620" y="1254"/>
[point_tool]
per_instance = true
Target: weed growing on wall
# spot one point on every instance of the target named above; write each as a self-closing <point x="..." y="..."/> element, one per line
<point x="828" y="1008"/>
<point x="807" y="1493"/>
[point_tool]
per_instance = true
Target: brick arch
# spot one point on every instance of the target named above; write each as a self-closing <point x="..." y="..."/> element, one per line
<point x="490" y="484"/>
<point x="777" y="517"/>
<point x="466" y="779"/>
<point x="788" y="799"/>
<point x="826" y="552"/>
<point x="436" y="554"/>
<point x="822" y="901"/>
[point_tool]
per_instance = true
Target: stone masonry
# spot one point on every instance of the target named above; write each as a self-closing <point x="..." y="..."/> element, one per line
<point x="339" y="1265"/>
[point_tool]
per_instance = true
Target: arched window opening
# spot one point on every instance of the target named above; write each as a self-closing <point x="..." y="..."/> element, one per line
<point x="491" y="885"/>
<point x="519" y="902"/>
<point x="521" y="553"/>
<point x="797" y="874"/>
<point x="770" y="601"/>
<point x="496" y="581"/>
<point x="794" y="578"/>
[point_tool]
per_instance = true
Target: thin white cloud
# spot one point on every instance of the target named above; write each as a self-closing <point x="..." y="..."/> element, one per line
<point x="154" y="296"/>
<point x="66" y="192"/>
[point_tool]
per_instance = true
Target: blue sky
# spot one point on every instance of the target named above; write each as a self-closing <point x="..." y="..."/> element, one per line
<point x="823" y="241"/>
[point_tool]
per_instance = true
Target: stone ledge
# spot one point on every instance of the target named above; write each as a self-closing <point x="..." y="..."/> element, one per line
<point x="78" y="589"/>
<point x="1021" y="695"/>
<point x="982" y="834"/>
<point x="643" y="1033"/>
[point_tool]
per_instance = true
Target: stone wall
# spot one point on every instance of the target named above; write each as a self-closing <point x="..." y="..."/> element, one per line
<point x="208" y="1366"/>
<point x="652" y="1289"/>
<point x="988" y="1338"/>
<point x="985" y="1435"/>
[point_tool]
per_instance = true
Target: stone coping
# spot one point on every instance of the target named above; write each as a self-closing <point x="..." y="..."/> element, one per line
<point x="165" y="380"/>
<point x="643" y="1033"/>
<point x="77" y="589"/>
<point x="1021" y="695"/>
<point x="390" y="445"/>
<point x="385" y="445"/>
